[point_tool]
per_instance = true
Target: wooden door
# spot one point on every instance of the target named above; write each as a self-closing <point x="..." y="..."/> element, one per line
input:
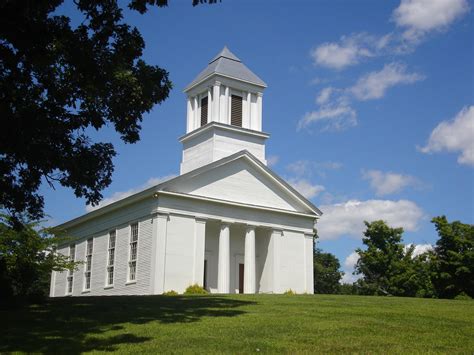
<point x="241" y="278"/>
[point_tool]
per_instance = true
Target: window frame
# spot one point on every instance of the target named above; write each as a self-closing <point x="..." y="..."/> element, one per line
<point x="70" y="272"/>
<point x="130" y="261"/>
<point x="110" y="267"/>
<point x="87" y="270"/>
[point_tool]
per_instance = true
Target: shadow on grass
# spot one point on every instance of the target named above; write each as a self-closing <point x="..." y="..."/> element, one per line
<point x="74" y="325"/>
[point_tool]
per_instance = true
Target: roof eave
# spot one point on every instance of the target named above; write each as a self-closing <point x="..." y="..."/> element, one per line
<point x="194" y="84"/>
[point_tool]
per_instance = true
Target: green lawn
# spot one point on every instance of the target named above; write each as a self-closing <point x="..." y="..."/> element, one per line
<point x="241" y="324"/>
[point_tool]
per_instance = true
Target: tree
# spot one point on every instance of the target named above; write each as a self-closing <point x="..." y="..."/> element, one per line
<point x="28" y="254"/>
<point x="388" y="267"/>
<point x="56" y="84"/>
<point x="453" y="260"/>
<point x="326" y="272"/>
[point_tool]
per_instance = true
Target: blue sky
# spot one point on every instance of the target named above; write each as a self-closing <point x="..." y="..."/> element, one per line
<point x="369" y="105"/>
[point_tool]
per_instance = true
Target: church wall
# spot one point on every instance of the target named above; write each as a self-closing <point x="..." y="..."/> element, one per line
<point x="98" y="229"/>
<point x="292" y="266"/>
<point x="228" y="142"/>
<point x="197" y="152"/>
<point x="179" y="253"/>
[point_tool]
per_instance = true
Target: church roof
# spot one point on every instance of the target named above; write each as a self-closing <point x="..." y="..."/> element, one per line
<point x="227" y="64"/>
<point x="169" y="186"/>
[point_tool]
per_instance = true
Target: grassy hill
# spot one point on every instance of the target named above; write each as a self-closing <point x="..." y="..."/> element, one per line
<point x="241" y="324"/>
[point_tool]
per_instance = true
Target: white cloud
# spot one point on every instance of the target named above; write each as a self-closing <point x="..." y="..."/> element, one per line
<point x="455" y="135"/>
<point x="307" y="167"/>
<point x="419" y="248"/>
<point x="349" y="50"/>
<point x="418" y="17"/>
<point x="385" y="183"/>
<point x="351" y="260"/>
<point x="121" y="195"/>
<point x="306" y="188"/>
<point x="348" y="278"/>
<point x="335" y="110"/>
<point x="374" y="84"/>
<point x="349" y="264"/>
<point x="348" y="218"/>
<point x="336" y="117"/>
<point x="272" y="160"/>
<point x="324" y="95"/>
<point x="300" y="167"/>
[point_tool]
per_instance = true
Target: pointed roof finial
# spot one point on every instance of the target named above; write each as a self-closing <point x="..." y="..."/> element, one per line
<point x="227" y="64"/>
<point x="225" y="53"/>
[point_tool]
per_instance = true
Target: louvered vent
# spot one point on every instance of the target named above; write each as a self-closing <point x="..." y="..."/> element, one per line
<point x="236" y="111"/>
<point x="203" y="111"/>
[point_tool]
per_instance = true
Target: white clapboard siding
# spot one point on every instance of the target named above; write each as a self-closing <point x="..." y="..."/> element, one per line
<point x="98" y="229"/>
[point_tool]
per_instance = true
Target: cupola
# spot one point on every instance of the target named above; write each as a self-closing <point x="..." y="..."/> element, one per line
<point x="224" y="113"/>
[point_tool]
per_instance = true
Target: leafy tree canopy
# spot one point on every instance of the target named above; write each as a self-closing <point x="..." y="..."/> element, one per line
<point x="387" y="267"/>
<point x="453" y="261"/>
<point x="56" y="82"/>
<point x="326" y="272"/>
<point x="28" y="254"/>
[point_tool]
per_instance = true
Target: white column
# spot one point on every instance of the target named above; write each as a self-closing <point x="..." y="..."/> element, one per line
<point x="216" y="96"/>
<point x="160" y="230"/>
<point x="259" y="111"/>
<point x="199" y="246"/>
<point x="249" y="266"/>
<point x="275" y="242"/>
<point x="223" y="272"/>
<point x="195" y="111"/>
<point x="209" y="105"/>
<point x="249" y="110"/>
<point x="190" y="119"/>
<point x="226" y="118"/>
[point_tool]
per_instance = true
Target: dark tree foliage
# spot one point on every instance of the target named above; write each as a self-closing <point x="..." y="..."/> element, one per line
<point x="27" y="257"/>
<point x="56" y="83"/>
<point x="326" y="272"/>
<point x="387" y="268"/>
<point x="453" y="260"/>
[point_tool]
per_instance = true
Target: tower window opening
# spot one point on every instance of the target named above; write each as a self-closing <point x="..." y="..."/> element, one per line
<point x="236" y="111"/>
<point x="204" y="103"/>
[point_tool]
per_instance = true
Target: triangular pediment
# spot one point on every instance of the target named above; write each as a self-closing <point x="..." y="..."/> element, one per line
<point x="243" y="179"/>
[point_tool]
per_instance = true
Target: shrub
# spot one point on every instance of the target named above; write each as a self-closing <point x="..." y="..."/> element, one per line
<point x="463" y="297"/>
<point x="195" y="290"/>
<point x="170" y="293"/>
<point x="289" y="292"/>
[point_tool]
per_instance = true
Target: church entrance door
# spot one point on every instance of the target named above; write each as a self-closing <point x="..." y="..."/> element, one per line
<point x="241" y="278"/>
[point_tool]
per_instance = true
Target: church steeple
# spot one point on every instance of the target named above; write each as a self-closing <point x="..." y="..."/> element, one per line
<point x="227" y="96"/>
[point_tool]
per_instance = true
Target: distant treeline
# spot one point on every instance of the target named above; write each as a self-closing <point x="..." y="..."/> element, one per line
<point x="387" y="266"/>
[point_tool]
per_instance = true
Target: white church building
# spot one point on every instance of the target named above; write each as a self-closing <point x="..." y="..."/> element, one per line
<point x="227" y="222"/>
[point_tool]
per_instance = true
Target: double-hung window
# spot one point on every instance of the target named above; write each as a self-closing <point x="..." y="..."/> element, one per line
<point x="111" y="258"/>
<point x="132" y="263"/>
<point x="88" y="266"/>
<point x="70" y="273"/>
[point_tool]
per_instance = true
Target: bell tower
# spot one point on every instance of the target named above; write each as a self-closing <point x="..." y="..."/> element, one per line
<point x="224" y="113"/>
